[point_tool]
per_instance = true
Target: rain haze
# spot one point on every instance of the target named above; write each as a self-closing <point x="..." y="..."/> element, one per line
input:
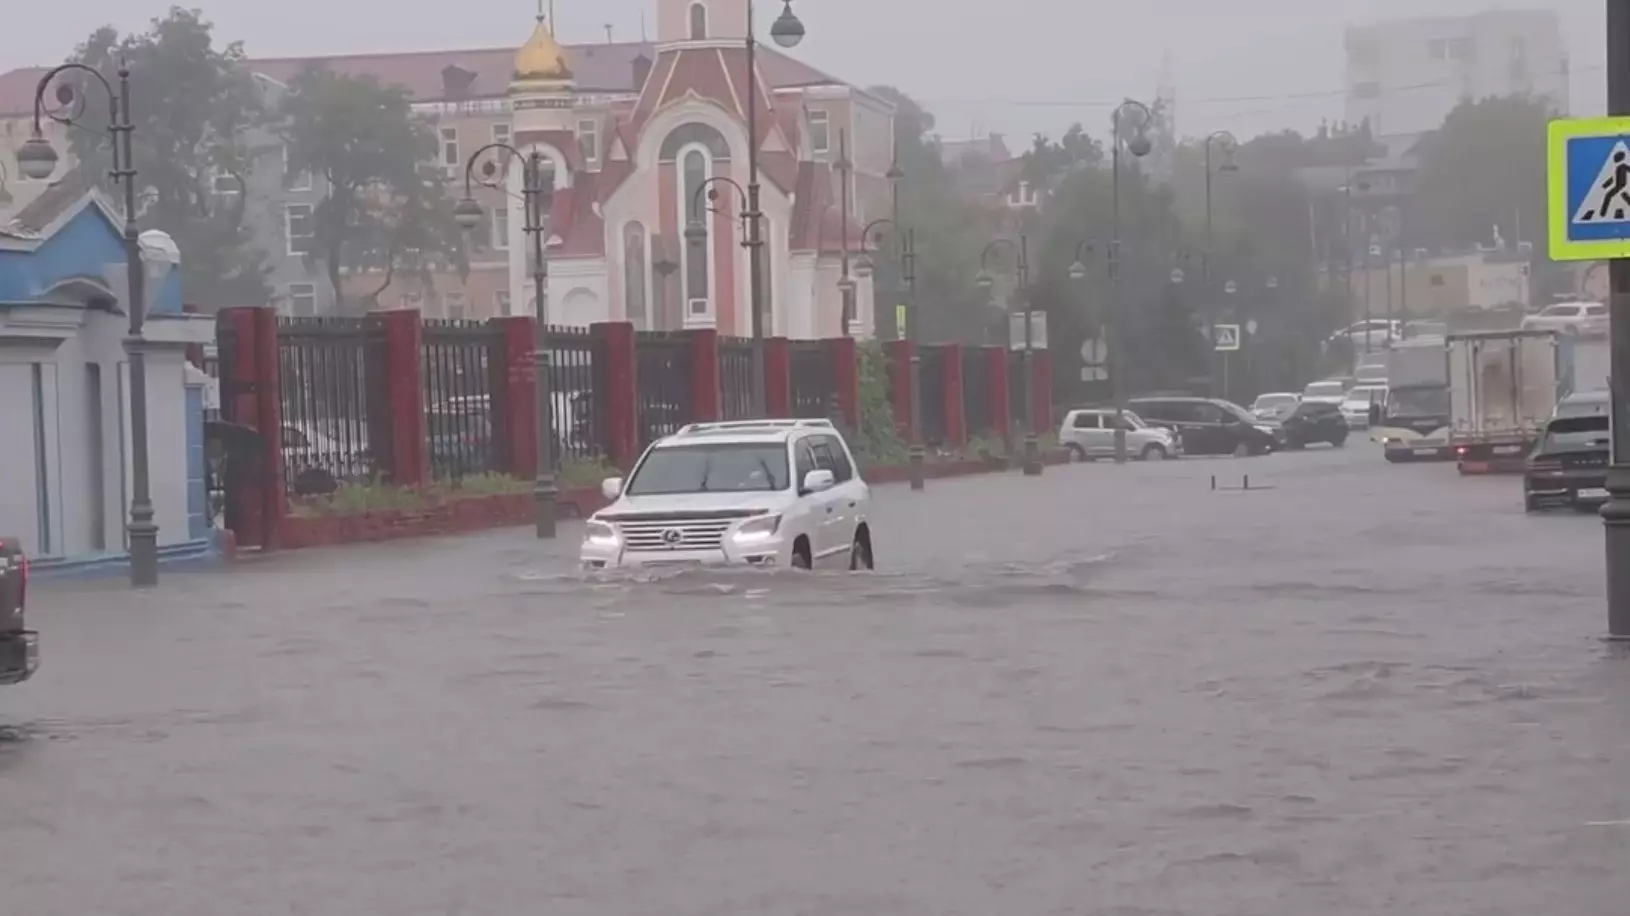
<point x="1029" y="458"/>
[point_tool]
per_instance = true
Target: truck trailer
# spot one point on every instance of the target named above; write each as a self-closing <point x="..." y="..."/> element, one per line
<point x="1503" y="387"/>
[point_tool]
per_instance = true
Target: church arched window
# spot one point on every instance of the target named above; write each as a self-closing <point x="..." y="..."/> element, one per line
<point x="698" y="22"/>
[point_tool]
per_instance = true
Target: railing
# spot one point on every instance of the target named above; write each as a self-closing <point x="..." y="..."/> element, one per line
<point x="931" y="376"/>
<point x="1020" y="411"/>
<point x="330" y="371"/>
<point x="736" y="394"/>
<point x="576" y="380"/>
<point x="977" y="410"/>
<point x="814" y="379"/>
<point x="457" y="362"/>
<point x="662" y="368"/>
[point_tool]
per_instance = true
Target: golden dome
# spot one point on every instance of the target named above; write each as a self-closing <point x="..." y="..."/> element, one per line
<point x="541" y="59"/>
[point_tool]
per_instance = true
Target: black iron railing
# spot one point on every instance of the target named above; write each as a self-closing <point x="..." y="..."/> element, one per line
<point x="977" y="410"/>
<point x="814" y="379"/>
<point x="931" y="376"/>
<point x="457" y="363"/>
<point x="662" y="369"/>
<point x="332" y="389"/>
<point x="736" y="377"/>
<point x="576" y="380"/>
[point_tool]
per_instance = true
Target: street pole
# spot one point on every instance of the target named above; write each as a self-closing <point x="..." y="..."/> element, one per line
<point x="1205" y="256"/>
<point x="754" y="216"/>
<point x="1031" y="456"/>
<point x="1138" y="145"/>
<point x="1347" y="241"/>
<point x="37" y="159"/>
<point x="916" y="454"/>
<point x="1616" y="514"/>
<point x="846" y="284"/>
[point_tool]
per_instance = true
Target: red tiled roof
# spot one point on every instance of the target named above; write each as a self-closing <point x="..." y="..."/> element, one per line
<point x="817" y="215"/>
<point x="596" y="67"/>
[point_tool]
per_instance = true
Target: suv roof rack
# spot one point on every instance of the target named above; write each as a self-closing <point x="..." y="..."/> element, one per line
<point x="749" y="425"/>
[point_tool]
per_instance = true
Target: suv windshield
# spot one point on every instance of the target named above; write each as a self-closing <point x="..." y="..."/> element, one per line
<point x="711" y="468"/>
<point x="1576" y="434"/>
<point x="1419" y="402"/>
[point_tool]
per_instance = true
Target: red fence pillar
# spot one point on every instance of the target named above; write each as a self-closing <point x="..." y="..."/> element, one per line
<point x="778" y="377"/>
<point x="250" y="395"/>
<point x="515" y="409"/>
<point x="956" y="419"/>
<point x="996" y="388"/>
<point x="705" y="396"/>
<point x="1041" y="368"/>
<point x="898" y="353"/>
<point x="404" y="397"/>
<point x="616" y="393"/>
<point x="846" y="370"/>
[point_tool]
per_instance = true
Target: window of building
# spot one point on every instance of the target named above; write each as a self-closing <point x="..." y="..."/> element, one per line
<point x="1363" y="52"/>
<point x="449" y="147"/>
<point x="588" y="140"/>
<point x="455" y="305"/>
<point x="1460" y="49"/>
<point x="294" y="181"/>
<point x="698" y="22"/>
<point x="696" y="167"/>
<point x="500" y="226"/>
<point x="1368" y="89"/>
<point x="302" y="299"/>
<point x="500" y="133"/>
<point x="820" y="132"/>
<point x="299" y="228"/>
<point x="634" y="274"/>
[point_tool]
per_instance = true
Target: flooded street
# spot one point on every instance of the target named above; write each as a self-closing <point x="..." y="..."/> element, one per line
<point x="1111" y="691"/>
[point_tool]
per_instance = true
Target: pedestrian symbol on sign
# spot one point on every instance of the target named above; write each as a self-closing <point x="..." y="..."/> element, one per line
<point x="1227" y="337"/>
<point x="1609" y="197"/>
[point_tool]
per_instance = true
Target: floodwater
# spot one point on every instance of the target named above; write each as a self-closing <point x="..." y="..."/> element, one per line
<point x="1366" y="690"/>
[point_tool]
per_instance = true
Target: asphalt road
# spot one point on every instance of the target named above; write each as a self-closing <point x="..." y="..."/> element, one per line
<point x="1367" y="690"/>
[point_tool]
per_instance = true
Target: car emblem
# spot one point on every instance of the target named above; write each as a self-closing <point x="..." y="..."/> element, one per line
<point x="672" y="537"/>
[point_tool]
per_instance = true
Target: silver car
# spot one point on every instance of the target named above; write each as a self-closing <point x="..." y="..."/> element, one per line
<point x="1089" y="434"/>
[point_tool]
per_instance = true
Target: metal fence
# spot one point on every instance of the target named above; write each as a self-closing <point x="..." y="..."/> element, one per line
<point x="662" y="370"/>
<point x="977" y="409"/>
<point x="576" y="386"/>
<point x="1016" y="366"/>
<point x="736" y="394"/>
<point x="332" y="388"/>
<point x="457" y="361"/>
<point x="814" y="379"/>
<point x="931" y="377"/>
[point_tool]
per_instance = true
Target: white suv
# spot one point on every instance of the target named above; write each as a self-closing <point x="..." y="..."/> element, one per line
<point x="1090" y="434"/>
<point x="770" y="493"/>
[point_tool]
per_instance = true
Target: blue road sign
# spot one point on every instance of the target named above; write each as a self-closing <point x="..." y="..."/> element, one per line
<point x="1588" y="188"/>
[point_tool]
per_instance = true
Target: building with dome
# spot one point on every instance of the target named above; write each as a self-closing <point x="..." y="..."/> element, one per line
<point x="628" y="130"/>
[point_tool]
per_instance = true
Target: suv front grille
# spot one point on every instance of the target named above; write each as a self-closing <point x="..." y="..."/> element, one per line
<point x="699" y="534"/>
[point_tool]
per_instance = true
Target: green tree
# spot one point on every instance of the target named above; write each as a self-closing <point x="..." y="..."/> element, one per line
<point x="386" y="210"/>
<point x="194" y="104"/>
<point x="1484" y="168"/>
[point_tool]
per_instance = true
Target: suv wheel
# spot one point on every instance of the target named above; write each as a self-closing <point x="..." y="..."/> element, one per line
<point x="860" y="552"/>
<point x="1242" y="450"/>
<point x="1529" y="503"/>
<point x="801" y="558"/>
<point x="1077" y="453"/>
<point x="1154" y="452"/>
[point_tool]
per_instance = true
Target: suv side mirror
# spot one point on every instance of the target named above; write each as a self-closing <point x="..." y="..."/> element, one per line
<point x="611" y="487"/>
<point x="818" y="481"/>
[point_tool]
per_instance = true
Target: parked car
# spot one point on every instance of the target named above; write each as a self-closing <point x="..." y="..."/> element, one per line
<point x="1425" y="327"/>
<point x="1274" y="405"/>
<point x="1568" y="465"/>
<point x="1569" y="318"/>
<point x="19" y="646"/>
<point x="1370" y="334"/>
<point x="1089" y="433"/>
<point x="1209" y="426"/>
<point x="765" y="493"/>
<point x="1372" y="368"/>
<point x="1328" y="391"/>
<point x="1357" y="406"/>
<point x="1594" y="403"/>
<point x="1312" y="422"/>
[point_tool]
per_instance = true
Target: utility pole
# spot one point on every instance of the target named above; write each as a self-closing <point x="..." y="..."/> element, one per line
<point x="1616" y="514"/>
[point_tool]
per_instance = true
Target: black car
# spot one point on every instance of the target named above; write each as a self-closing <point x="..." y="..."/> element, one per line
<point x="1313" y="422"/>
<point x="1208" y="426"/>
<point x="19" y="646"/>
<point x="1568" y="465"/>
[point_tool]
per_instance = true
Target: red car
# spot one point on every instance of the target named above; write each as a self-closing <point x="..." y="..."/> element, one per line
<point x="19" y="646"/>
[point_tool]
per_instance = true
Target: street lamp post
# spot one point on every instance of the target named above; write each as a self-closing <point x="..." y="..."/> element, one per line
<point x="1021" y="255"/>
<point x="1111" y="324"/>
<point x="916" y="455"/>
<point x="846" y="283"/>
<point x="1229" y="145"/>
<point x="536" y="193"/>
<point x="1138" y="145"/>
<point x="37" y="159"/>
<point x="1616" y="514"/>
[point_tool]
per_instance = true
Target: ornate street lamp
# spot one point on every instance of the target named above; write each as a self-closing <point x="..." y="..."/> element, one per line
<point x="536" y="194"/>
<point x="1227" y="144"/>
<point x="986" y="281"/>
<point x="37" y="159"/>
<point x="1134" y="117"/>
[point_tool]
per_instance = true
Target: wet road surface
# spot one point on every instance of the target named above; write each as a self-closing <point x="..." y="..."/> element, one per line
<point x="1368" y="690"/>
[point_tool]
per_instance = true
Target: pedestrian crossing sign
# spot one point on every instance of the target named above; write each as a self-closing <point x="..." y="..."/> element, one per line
<point x="1227" y="337"/>
<point x="1588" y="188"/>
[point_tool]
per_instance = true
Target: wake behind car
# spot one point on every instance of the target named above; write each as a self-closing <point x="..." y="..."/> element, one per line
<point x="19" y="646"/>
<point x="1568" y="466"/>
<point x="1209" y="426"/>
<point x="766" y="493"/>
<point x="1089" y="433"/>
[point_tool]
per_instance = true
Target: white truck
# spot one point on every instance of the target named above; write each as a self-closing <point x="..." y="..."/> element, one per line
<point x="1586" y="363"/>
<point x="1503" y="387"/>
<point x="1415" y="417"/>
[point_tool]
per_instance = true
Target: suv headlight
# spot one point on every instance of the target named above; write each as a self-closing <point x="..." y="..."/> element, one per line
<point x="1265" y="430"/>
<point x="761" y="528"/>
<point x="600" y="534"/>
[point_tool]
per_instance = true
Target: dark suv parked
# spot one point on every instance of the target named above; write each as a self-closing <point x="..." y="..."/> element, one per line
<point x="1208" y="426"/>
<point x="1314" y="421"/>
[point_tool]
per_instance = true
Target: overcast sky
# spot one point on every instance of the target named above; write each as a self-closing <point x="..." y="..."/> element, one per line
<point x="1017" y="66"/>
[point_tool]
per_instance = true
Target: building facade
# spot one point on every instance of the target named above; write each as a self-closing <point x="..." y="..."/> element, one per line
<point x="1405" y="76"/>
